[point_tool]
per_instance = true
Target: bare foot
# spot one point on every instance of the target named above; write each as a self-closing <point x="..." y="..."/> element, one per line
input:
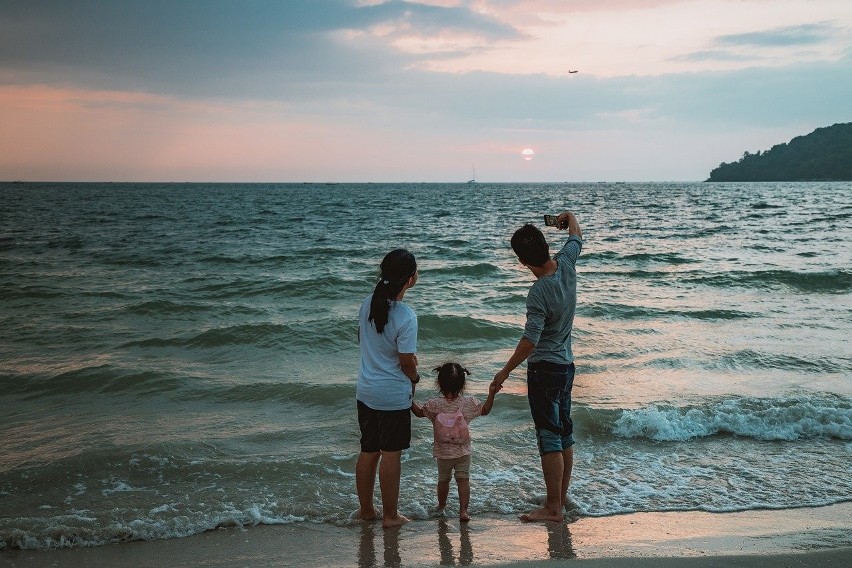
<point x="396" y="521"/>
<point x="367" y="515"/>
<point x="542" y="515"/>
<point x="464" y="516"/>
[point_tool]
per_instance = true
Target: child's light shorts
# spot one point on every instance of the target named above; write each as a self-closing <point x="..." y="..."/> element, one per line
<point x="460" y="465"/>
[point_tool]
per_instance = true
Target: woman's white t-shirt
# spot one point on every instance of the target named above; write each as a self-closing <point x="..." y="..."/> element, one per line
<point x="381" y="383"/>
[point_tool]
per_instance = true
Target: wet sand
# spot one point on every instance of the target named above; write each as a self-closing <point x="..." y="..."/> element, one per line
<point x="793" y="538"/>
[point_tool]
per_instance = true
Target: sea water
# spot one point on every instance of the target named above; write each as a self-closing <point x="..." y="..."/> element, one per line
<point x="180" y="357"/>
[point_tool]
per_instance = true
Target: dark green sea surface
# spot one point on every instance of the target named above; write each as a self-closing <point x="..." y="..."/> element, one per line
<point x="177" y="357"/>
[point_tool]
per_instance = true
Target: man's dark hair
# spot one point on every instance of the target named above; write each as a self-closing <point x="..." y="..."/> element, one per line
<point x="529" y="244"/>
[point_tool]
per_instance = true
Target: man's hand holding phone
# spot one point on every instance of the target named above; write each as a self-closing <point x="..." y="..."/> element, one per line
<point x="553" y="221"/>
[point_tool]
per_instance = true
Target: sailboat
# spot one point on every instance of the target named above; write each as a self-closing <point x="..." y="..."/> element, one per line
<point x="473" y="171"/>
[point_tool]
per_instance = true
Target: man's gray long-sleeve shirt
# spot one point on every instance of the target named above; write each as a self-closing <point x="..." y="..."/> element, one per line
<point x="551" y="303"/>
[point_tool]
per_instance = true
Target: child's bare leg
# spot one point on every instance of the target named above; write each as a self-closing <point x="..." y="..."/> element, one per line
<point x="464" y="498"/>
<point x="443" y="493"/>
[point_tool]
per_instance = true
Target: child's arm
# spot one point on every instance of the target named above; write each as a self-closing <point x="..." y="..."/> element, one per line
<point x="489" y="402"/>
<point x="417" y="410"/>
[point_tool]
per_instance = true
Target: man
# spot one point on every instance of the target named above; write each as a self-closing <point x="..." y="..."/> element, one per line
<point x="546" y="343"/>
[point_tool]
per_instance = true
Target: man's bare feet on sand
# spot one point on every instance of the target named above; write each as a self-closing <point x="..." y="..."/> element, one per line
<point x="542" y="515"/>
<point x="368" y="515"/>
<point x="464" y="516"/>
<point x="396" y="521"/>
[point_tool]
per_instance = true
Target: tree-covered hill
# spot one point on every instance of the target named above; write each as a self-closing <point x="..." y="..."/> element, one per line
<point x="823" y="155"/>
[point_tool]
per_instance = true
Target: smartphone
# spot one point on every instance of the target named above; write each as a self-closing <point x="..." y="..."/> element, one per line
<point x="550" y="220"/>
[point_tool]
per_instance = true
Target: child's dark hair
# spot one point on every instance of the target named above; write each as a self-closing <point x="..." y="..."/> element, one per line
<point x="451" y="378"/>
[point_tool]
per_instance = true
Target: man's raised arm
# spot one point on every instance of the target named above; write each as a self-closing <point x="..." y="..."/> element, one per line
<point x="568" y="220"/>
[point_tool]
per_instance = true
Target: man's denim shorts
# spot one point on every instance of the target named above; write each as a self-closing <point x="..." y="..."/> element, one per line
<point x="549" y="392"/>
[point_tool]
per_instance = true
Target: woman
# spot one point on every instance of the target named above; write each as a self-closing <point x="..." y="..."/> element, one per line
<point x="387" y="334"/>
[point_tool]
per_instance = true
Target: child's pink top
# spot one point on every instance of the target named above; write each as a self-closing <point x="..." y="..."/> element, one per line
<point x="471" y="408"/>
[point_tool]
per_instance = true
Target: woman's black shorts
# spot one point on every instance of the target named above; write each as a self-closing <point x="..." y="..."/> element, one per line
<point x="384" y="430"/>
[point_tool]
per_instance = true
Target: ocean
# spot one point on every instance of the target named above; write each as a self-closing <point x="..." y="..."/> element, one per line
<point x="180" y="357"/>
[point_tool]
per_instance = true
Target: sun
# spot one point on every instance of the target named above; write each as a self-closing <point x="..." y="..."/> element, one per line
<point x="528" y="153"/>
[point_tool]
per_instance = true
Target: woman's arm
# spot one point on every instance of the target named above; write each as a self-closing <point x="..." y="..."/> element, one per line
<point x="408" y="364"/>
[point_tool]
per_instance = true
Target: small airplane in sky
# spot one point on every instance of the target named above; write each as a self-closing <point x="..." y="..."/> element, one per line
<point x="572" y="71"/>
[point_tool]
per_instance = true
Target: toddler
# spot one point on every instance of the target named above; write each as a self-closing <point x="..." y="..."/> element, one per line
<point x="450" y="415"/>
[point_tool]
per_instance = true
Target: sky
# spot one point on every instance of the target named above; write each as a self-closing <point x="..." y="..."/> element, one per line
<point x="412" y="91"/>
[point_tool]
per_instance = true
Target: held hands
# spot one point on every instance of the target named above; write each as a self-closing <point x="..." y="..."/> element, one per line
<point x="499" y="378"/>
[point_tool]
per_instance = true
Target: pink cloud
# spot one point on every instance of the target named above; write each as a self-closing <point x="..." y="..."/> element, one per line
<point x="54" y="134"/>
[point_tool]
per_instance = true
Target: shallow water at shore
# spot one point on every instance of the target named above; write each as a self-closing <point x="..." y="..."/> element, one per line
<point x="817" y="538"/>
<point x="182" y="357"/>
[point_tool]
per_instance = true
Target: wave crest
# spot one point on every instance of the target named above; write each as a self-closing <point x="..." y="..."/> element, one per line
<point x="449" y="327"/>
<point x="827" y="282"/>
<point x="761" y="419"/>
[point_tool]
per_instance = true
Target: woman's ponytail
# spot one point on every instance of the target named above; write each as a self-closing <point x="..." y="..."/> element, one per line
<point x="397" y="267"/>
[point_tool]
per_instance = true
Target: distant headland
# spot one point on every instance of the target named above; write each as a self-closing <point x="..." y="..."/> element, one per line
<point x="823" y="155"/>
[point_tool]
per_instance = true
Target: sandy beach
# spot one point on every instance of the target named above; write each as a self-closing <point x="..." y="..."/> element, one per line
<point x="800" y="537"/>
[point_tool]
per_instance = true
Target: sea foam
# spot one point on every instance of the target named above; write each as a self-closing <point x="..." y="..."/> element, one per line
<point x="761" y="419"/>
